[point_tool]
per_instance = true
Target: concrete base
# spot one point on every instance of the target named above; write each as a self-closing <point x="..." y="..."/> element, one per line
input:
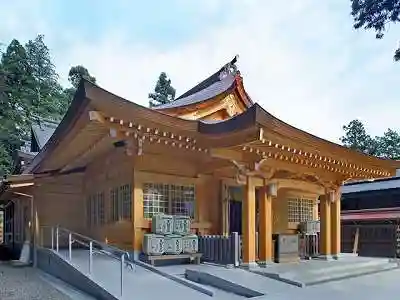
<point x="134" y="255"/>
<point x="221" y="283"/>
<point x="326" y="257"/>
<point x="248" y="266"/>
<point x="344" y="255"/>
<point x="265" y="264"/>
<point x="336" y="256"/>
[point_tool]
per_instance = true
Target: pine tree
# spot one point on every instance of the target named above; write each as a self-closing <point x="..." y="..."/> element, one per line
<point x="163" y="92"/>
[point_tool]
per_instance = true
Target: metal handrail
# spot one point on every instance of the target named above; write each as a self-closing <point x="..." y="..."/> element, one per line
<point x="89" y="242"/>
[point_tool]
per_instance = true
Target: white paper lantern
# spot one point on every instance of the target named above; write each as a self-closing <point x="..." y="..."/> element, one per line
<point x="273" y="189"/>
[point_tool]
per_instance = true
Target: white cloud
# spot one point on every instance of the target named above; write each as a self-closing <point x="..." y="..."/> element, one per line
<point x="302" y="62"/>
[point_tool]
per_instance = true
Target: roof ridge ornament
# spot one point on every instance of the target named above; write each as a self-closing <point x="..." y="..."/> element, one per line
<point x="229" y="69"/>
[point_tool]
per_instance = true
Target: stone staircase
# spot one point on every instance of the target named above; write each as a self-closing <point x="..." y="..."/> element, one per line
<point x="318" y="272"/>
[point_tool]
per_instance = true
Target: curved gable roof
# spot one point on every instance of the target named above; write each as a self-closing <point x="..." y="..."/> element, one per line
<point x="255" y="117"/>
<point x="224" y="80"/>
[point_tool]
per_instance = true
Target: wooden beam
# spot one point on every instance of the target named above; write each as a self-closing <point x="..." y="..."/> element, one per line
<point x="96" y="116"/>
<point x="227" y="154"/>
<point x="214" y="165"/>
<point x="98" y="147"/>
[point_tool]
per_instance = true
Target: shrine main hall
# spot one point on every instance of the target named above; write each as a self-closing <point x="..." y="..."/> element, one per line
<point x="212" y="154"/>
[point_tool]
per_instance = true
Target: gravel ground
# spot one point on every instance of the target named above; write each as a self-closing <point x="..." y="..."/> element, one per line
<point x="25" y="283"/>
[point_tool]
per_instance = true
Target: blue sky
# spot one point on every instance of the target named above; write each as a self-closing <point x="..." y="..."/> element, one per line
<point x="303" y="63"/>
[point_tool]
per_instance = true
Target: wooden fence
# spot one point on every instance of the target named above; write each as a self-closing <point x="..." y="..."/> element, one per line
<point x="375" y="239"/>
<point x="219" y="249"/>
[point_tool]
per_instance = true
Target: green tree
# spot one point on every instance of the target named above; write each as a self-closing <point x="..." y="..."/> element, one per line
<point x="47" y="99"/>
<point x="163" y="91"/>
<point x="389" y="145"/>
<point x="76" y="73"/>
<point x="29" y="90"/>
<point x="385" y="146"/>
<point x="356" y="137"/>
<point x="376" y="15"/>
<point x="14" y="112"/>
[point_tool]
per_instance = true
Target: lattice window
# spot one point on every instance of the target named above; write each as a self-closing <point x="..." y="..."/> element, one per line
<point x="89" y="211"/>
<point x="100" y="209"/>
<point x="300" y="210"/>
<point x="169" y="199"/>
<point x="155" y="199"/>
<point x="182" y="200"/>
<point x="125" y="193"/>
<point x="115" y="208"/>
<point x="121" y="203"/>
<point x="95" y="209"/>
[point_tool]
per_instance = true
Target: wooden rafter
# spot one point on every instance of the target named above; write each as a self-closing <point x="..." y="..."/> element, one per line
<point x="270" y="148"/>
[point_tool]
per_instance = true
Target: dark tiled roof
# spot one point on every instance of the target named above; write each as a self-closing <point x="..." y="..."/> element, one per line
<point x="42" y="131"/>
<point x="207" y="89"/>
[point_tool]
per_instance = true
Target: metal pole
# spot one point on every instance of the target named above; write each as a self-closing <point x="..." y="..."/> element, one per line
<point x="52" y="238"/>
<point x="122" y="273"/>
<point x="70" y="246"/>
<point x="90" y="257"/>
<point x="57" y="234"/>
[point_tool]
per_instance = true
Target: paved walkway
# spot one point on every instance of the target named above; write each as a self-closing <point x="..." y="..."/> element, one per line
<point x="25" y="283"/>
<point x="144" y="284"/>
<point x="147" y="285"/>
<point x="383" y="285"/>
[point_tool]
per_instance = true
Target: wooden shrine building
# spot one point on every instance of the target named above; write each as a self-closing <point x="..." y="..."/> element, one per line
<point x="212" y="154"/>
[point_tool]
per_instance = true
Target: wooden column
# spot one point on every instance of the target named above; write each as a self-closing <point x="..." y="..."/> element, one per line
<point x="335" y="226"/>
<point x="201" y="203"/>
<point x="325" y="235"/>
<point x="265" y="226"/>
<point x="249" y="223"/>
<point x="137" y="216"/>
<point x="224" y="208"/>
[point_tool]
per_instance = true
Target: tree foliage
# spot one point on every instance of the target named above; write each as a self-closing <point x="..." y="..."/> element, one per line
<point x="29" y="91"/>
<point x="76" y="73"/>
<point x="163" y="91"/>
<point x="376" y="15"/>
<point x="356" y="137"/>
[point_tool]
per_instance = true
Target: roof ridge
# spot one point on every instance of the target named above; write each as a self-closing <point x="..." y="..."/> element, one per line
<point x="211" y="79"/>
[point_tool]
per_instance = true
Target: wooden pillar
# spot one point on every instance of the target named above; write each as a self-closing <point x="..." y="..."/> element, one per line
<point x="265" y="225"/>
<point x="249" y="223"/>
<point x="36" y="239"/>
<point x="224" y="208"/>
<point x="325" y="235"/>
<point x="335" y="226"/>
<point x="137" y="216"/>
<point x="201" y="203"/>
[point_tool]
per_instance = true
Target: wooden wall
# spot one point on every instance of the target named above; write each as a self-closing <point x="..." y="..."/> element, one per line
<point x="111" y="170"/>
<point x="59" y="201"/>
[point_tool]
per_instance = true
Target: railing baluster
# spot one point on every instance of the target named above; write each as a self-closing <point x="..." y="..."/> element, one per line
<point x="90" y="257"/>
<point x="122" y="273"/>
<point x="52" y="238"/>
<point x="70" y="246"/>
<point x="57" y="235"/>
